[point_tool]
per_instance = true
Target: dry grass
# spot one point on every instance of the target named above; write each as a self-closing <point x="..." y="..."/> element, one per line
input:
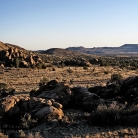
<point x="25" y="79"/>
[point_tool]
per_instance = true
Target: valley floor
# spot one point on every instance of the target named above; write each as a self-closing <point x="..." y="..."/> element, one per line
<point x="26" y="79"/>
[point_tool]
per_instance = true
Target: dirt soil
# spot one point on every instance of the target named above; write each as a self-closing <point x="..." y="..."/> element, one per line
<point x="24" y="80"/>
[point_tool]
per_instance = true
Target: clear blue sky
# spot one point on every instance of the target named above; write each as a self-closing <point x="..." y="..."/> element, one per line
<point x="43" y="24"/>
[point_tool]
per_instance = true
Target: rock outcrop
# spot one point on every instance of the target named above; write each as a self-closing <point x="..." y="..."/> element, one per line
<point x="19" y="58"/>
<point x="51" y="99"/>
<point x="13" y="108"/>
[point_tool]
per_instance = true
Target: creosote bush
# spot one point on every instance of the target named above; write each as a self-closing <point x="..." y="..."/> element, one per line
<point x="85" y="68"/>
<point x="3" y="86"/>
<point x="4" y="90"/>
<point x="43" y="81"/>
<point x="114" y="115"/>
<point x="106" y="115"/>
<point x="116" y="77"/>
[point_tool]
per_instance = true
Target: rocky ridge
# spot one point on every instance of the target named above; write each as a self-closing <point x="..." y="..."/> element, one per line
<point x="11" y="55"/>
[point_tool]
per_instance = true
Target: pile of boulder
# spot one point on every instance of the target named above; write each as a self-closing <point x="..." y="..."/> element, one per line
<point x="51" y="100"/>
<point x="14" y="56"/>
<point x="14" y="108"/>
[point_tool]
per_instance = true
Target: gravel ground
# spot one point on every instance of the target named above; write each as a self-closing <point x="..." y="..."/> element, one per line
<point x="78" y="128"/>
<point x="85" y="131"/>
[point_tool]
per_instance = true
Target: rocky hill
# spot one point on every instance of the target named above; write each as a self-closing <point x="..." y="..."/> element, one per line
<point x="60" y="52"/>
<point x="6" y="46"/>
<point x="68" y="57"/>
<point x="126" y="49"/>
<point x="15" y="56"/>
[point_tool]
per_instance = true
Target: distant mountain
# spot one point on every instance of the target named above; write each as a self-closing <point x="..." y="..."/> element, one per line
<point x="124" y="49"/>
<point x="60" y="52"/>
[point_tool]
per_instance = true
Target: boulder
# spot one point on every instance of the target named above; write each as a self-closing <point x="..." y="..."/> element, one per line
<point x="44" y="111"/>
<point x="3" y="135"/>
<point x="2" y="66"/>
<point x="57" y="105"/>
<point x="24" y="63"/>
<point x="56" y="114"/>
<point x="9" y="107"/>
<point x="130" y="81"/>
<point x="7" y="103"/>
<point x="54" y="90"/>
<point x="33" y="104"/>
<point x="90" y="106"/>
<point x="78" y="94"/>
<point x="47" y="94"/>
<point x="97" y="89"/>
<point x="91" y="97"/>
<point x="49" y="110"/>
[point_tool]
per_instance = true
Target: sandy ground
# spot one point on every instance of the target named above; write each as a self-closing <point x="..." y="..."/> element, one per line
<point x="24" y="80"/>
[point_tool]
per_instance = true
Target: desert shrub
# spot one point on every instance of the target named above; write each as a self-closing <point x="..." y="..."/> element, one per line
<point x="106" y="115"/>
<point x="4" y="90"/>
<point x="62" y="65"/>
<point x="103" y="62"/>
<point x="33" y="67"/>
<point x="85" y="68"/>
<point x="39" y="65"/>
<point x="3" y="86"/>
<point x="17" y="62"/>
<point x="43" y="81"/>
<point x="114" y="115"/>
<point x="27" y="121"/>
<point x="117" y="78"/>
<point x="70" y="70"/>
<point x="43" y="66"/>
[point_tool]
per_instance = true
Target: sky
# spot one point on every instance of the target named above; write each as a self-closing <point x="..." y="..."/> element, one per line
<point x="44" y="24"/>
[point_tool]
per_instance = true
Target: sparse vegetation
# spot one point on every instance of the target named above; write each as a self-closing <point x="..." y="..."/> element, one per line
<point x="85" y="68"/>
<point x="79" y="83"/>
<point x="113" y="115"/>
<point x="43" y="81"/>
<point x="4" y="90"/>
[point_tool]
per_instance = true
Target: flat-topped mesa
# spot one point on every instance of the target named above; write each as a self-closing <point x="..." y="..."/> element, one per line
<point x="130" y="46"/>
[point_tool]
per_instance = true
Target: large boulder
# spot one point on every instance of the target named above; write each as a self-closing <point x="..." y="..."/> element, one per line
<point x="33" y="104"/>
<point x="8" y="104"/>
<point x="90" y="102"/>
<point x="49" y="111"/>
<point x="81" y="97"/>
<point x="55" y="90"/>
<point x="13" y="109"/>
<point x="9" y="109"/>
